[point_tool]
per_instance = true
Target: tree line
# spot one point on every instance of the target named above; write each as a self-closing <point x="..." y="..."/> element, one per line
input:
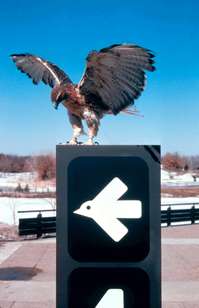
<point x="177" y="162"/>
<point x="43" y="165"/>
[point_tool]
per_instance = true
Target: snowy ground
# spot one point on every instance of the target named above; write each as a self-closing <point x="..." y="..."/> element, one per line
<point x="9" y="207"/>
<point x="176" y="179"/>
<point x="9" y="182"/>
<point x="171" y="200"/>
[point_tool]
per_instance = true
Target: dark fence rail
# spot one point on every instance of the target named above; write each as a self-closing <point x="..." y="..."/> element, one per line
<point x="36" y="211"/>
<point x="38" y="225"/>
<point x="172" y="215"/>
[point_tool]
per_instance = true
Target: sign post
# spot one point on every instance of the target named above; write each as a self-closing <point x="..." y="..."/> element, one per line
<point x="108" y="227"/>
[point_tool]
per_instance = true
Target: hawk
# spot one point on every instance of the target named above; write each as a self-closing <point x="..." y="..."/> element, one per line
<point x="114" y="77"/>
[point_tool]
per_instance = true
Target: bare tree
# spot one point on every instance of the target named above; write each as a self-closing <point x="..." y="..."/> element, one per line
<point x="14" y="163"/>
<point x="174" y="162"/>
<point x="45" y="166"/>
<point x="12" y="205"/>
<point x="52" y="202"/>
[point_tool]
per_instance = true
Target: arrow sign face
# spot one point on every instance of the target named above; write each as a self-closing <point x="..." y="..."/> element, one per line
<point x="112" y="298"/>
<point x="105" y="209"/>
<point x="115" y="287"/>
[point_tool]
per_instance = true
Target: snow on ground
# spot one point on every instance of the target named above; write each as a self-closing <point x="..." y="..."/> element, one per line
<point x="9" y="208"/>
<point x="12" y="179"/>
<point x="9" y="182"/>
<point x="188" y="200"/>
<point x="176" y="179"/>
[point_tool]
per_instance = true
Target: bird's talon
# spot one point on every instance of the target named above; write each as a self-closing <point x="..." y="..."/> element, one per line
<point x="73" y="142"/>
<point x="89" y="142"/>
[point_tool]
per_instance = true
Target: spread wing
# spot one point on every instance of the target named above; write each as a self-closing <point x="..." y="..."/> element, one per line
<point x="40" y="70"/>
<point x="115" y="76"/>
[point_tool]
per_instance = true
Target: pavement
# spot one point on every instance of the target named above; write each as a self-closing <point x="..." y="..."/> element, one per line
<point x="27" y="271"/>
<point x="180" y="267"/>
<point x="27" y="274"/>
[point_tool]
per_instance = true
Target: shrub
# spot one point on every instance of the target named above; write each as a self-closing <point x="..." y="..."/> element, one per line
<point x="45" y="166"/>
<point x="19" y="188"/>
<point x="26" y="188"/>
<point x="174" y="162"/>
<point x="14" y="163"/>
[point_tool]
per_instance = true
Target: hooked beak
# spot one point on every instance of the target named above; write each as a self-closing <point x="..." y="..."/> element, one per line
<point x="55" y="105"/>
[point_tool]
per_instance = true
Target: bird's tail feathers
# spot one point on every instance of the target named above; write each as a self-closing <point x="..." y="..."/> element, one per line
<point x="131" y="111"/>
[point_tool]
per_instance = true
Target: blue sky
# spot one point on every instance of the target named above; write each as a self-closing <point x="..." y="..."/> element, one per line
<point x="64" y="32"/>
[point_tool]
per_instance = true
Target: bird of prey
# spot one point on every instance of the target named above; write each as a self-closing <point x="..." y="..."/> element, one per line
<point x="114" y="77"/>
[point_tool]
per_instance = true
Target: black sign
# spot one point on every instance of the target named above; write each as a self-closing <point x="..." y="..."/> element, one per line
<point x="89" y="176"/>
<point x="131" y="286"/>
<point x="108" y="226"/>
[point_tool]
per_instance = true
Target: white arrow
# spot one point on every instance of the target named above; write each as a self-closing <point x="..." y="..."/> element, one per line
<point x="112" y="298"/>
<point x="105" y="209"/>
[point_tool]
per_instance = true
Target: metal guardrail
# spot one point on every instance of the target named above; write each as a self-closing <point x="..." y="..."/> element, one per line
<point x="38" y="225"/>
<point x="36" y="211"/>
<point x="175" y="216"/>
<point x="172" y="215"/>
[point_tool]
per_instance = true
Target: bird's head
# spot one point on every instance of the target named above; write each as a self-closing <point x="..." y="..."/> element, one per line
<point x="58" y="95"/>
<point x="86" y="209"/>
<point x="55" y="105"/>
